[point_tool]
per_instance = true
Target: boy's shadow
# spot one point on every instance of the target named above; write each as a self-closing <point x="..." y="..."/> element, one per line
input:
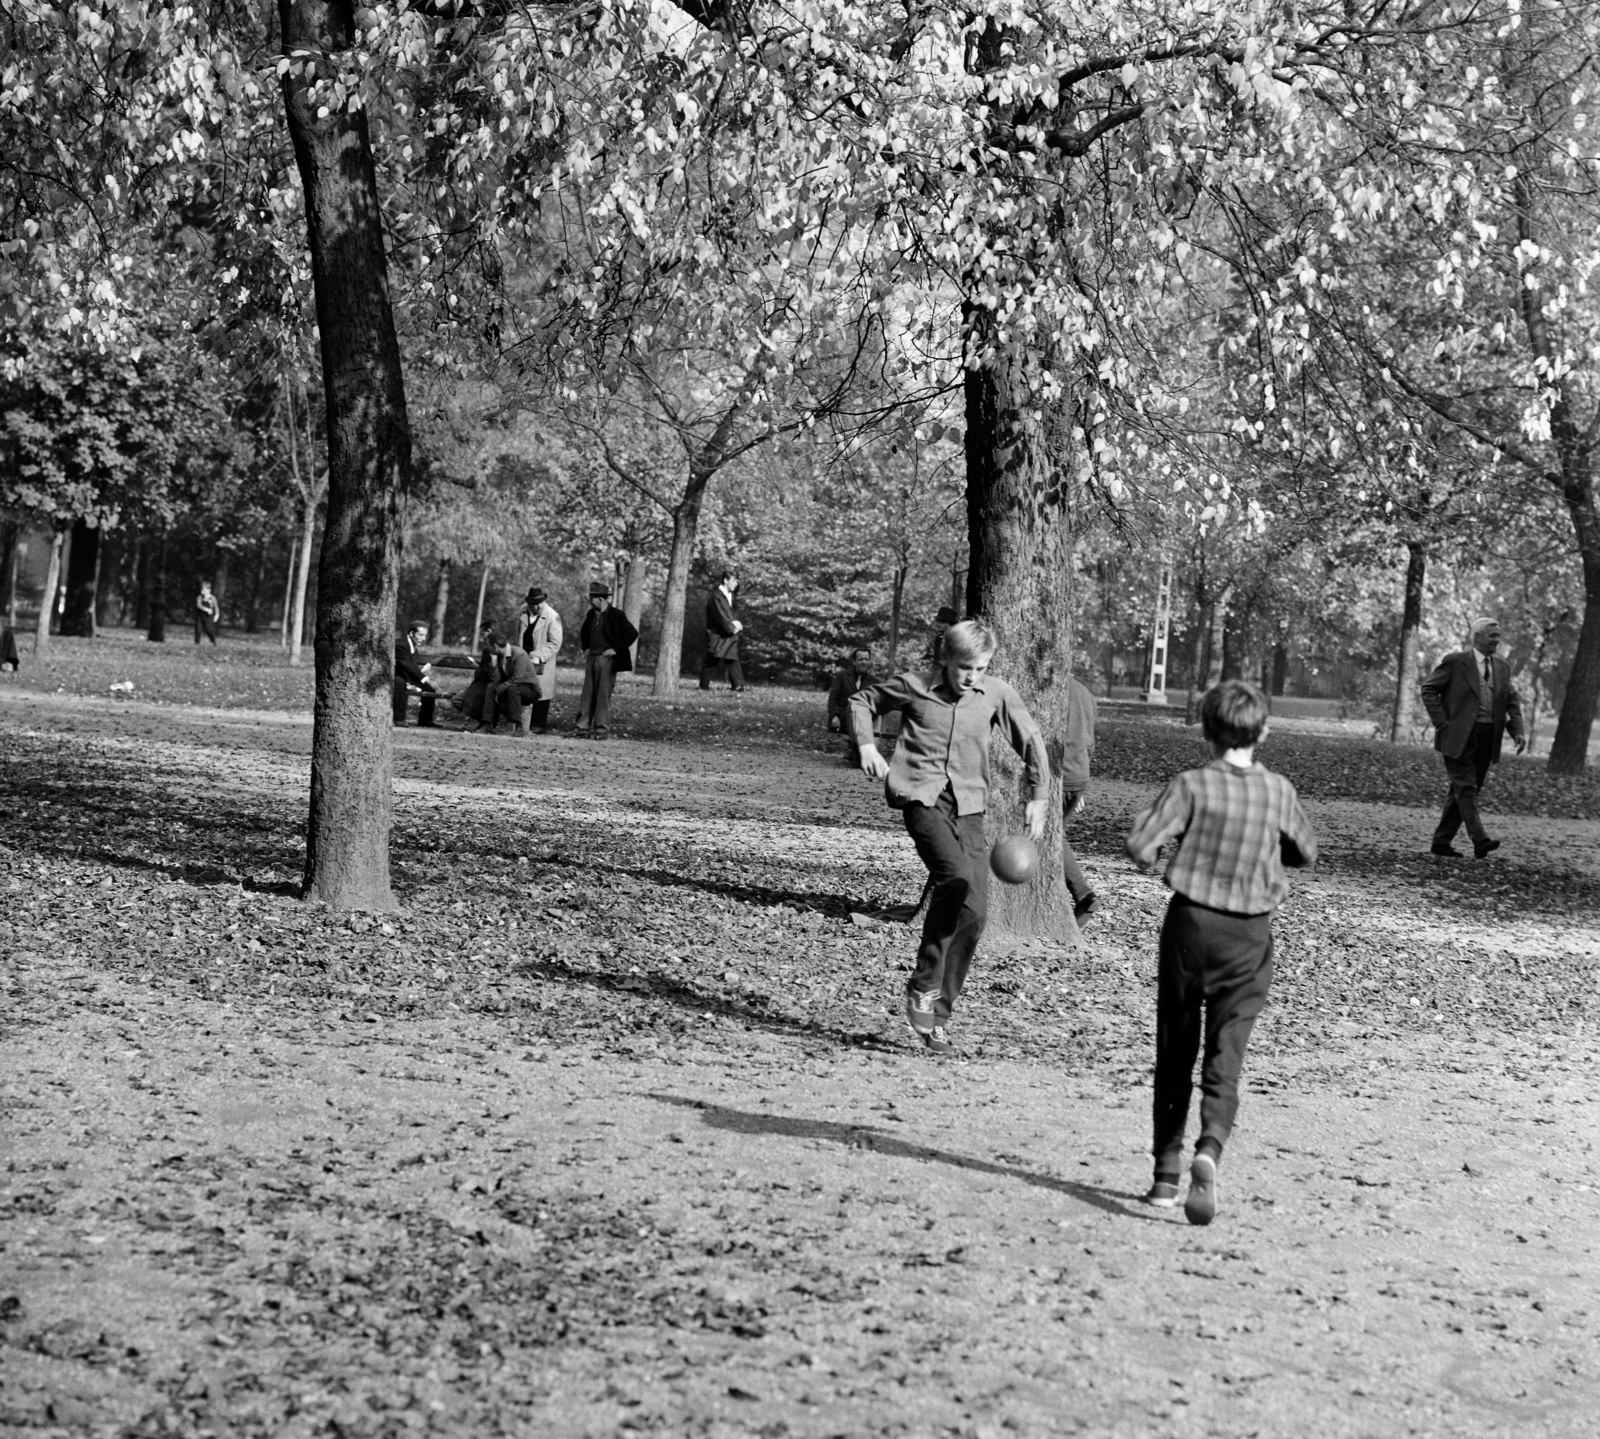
<point x="858" y="1136"/>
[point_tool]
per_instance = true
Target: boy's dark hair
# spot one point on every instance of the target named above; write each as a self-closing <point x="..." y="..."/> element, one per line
<point x="492" y="640"/>
<point x="1233" y="714"/>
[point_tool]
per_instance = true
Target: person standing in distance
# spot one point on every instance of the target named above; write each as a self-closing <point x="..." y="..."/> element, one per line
<point x="541" y="638"/>
<point x="939" y="781"/>
<point x="1472" y="704"/>
<point x="722" y="634"/>
<point x="605" y="639"/>
<point x="206" y="613"/>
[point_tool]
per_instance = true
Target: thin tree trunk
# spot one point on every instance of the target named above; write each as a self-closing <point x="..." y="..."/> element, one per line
<point x="441" y="600"/>
<point x="308" y="539"/>
<point x="293" y="552"/>
<point x="634" y="595"/>
<point x="1405" y="687"/>
<point x="1019" y="582"/>
<point x="1197" y="656"/>
<point x="685" y="525"/>
<point x="477" y="619"/>
<point x="10" y="531"/>
<point x="105" y="572"/>
<point x="369" y="463"/>
<point x="158" y="592"/>
<point x="896" y="606"/>
<point x="47" y="601"/>
<point x="1280" y="666"/>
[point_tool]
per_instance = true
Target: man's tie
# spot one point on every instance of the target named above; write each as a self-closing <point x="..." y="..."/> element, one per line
<point x="1488" y="676"/>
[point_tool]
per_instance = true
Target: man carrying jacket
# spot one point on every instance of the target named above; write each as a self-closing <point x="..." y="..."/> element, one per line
<point x="605" y="639"/>
<point x="1472" y="704"/>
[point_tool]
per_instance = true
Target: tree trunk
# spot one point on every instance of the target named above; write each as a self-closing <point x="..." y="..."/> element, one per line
<point x="105" y="574"/>
<point x="369" y="464"/>
<point x="1405" y="687"/>
<point x="1019" y="582"/>
<point x="47" y="601"/>
<point x="685" y="525"/>
<point x="1280" y="666"/>
<point x="308" y="539"/>
<point x="1569" y="750"/>
<point x="10" y="532"/>
<point x="896" y="605"/>
<point x="82" y="563"/>
<point x="441" y="600"/>
<point x="158" y="592"/>
<point x="477" y="619"/>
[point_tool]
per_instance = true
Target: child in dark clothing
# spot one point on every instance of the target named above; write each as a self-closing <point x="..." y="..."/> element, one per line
<point x="1237" y="824"/>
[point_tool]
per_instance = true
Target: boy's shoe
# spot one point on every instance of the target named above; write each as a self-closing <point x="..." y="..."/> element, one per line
<point x="1085" y="907"/>
<point x="1445" y="851"/>
<point x="1484" y="847"/>
<point x="1163" y="1194"/>
<point x="937" y="1040"/>
<point x="920" y="1014"/>
<point x="1201" y="1205"/>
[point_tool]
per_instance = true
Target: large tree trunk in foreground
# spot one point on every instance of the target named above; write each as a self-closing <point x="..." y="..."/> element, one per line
<point x="47" y="601"/>
<point x="1569" y="750"/>
<point x="369" y="461"/>
<point x="83" y="566"/>
<point x="1405" y="686"/>
<point x="685" y="525"/>
<point x="1019" y="583"/>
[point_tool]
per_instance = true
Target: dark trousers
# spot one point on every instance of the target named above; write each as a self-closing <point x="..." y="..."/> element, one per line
<point x="594" y="704"/>
<point x="204" y="625"/>
<point x="1220" y="966"/>
<point x="1466" y="774"/>
<point x="505" y="700"/>
<point x="1078" y="885"/>
<point x="735" y="671"/>
<point x="957" y="856"/>
<point x="424" y="709"/>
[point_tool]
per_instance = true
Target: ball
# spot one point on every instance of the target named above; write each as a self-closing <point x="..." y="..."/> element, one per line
<point x="1015" y="859"/>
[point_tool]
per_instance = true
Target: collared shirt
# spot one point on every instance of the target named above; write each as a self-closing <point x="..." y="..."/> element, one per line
<point x="944" y="739"/>
<point x="1485" y="687"/>
<point x="1236" y="828"/>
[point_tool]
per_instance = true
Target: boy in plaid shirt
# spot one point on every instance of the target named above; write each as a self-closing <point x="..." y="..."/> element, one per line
<point x="1237" y="824"/>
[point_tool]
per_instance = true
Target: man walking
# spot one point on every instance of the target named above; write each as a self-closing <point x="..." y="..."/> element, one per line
<point x="206" y="613"/>
<point x="722" y="634"/>
<point x="541" y="639"/>
<point x="409" y="670"/>
<point x="605" y="639"/>
<point x="1472" y="704"/>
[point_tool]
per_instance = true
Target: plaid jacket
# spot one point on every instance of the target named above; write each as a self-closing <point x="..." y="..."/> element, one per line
<point x="1236" y="829"/>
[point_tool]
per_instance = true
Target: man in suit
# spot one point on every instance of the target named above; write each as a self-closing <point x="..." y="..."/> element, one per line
<point x="1472" y="704"/>
<point x="722" y="634"/>
<point x="605" y="640"/>
<point x="409" y="670"/>
<point x="541" y="639"/>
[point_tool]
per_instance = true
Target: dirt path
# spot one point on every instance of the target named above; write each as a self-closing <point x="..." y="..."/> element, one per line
<point x="616" y="1131"/>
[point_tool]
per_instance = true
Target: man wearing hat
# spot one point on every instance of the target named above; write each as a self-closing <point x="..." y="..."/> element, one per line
<point x="933" y="654"/>
<point x="540" y="628"/>
<point x="606" y="640"/>
<point x="1472" y="704"/>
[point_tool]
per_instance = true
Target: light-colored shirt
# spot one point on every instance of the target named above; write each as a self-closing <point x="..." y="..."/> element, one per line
<point x="944" y="739"/>
<point x="1235" y="829"/>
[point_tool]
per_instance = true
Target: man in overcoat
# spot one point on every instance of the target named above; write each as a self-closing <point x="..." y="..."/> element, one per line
<point x="606" y="639"/>
<point x="541" y="638"/>
<point x="722" y="634"/>
<point x="1472" y="704"/>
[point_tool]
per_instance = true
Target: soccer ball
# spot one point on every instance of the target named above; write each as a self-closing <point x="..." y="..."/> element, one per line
<point x="1015" y="859"/>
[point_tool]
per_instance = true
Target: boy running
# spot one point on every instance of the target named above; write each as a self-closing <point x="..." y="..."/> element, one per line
<point x="939" y="780"/>
<point x="1237" y="824"/>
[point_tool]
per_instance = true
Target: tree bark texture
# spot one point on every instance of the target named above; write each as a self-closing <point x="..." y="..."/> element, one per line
<point x="477" y="618"/>
<point x="1019" y="582"/>
<point x="896" y="604"/>
<point x="47" y="601"/>
<point x="78" y="618"/>
<point x="441" y="600"/>
<point x="685" y="526"/>
<point x="302" y="582"/>
<point x="369" y="462"/>
<point x="158" y="592"/>
<point x="1406" y="680"/>
<point x="10" y="532"/>
<point x="633" y="591"/>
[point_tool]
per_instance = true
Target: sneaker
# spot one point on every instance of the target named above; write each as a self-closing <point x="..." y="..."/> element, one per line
<point x="1201" y="1205"/>
<point x="1484" y="847"/>
<point x="1085" y="907"/>
<point x="1163" y="1194"/>
<point x="920" y="1013"/>
<point x="937" y="1040"/>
